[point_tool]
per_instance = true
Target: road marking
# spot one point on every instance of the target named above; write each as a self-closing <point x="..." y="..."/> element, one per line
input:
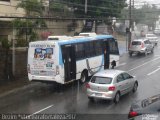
<point x="40" y="111"/>
<point x="121" y="64"/>
<point x="153" y="71"/>
<point x="144" y="64"/>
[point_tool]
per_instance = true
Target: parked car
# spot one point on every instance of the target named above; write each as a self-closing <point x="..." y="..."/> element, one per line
<point x="152" y="38"/>
<point x="147" y="108"/>
<point x="110" y="85"/>
<point x="141" y="46"/>
<point x="157" y="31"/>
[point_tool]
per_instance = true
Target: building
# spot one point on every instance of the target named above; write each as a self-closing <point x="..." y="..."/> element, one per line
<point x="8" y="9"/>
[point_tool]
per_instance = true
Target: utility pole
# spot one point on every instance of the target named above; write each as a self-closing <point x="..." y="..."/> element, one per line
<point x="130" y="24"/>
<point x="13" y="51"/>
<point x="133" y="14"/>
<point x="86" y="6"/>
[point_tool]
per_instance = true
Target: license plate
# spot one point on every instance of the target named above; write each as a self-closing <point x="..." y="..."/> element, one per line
<point x="98" y="94"/>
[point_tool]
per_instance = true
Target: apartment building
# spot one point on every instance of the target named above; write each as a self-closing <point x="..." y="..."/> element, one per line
<point x="7" y="9"/>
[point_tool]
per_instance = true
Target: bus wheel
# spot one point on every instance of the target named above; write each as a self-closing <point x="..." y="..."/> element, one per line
<point x="83" y="77"/>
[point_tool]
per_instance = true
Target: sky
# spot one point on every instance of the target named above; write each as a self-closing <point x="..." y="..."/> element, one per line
<point x="139" y="3"/>
<point x="148" y="1"/>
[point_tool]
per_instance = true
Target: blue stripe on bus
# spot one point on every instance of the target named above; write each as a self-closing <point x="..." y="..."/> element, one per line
<point x="80" y="40"/>
<point x="60" y="57"/>
<point x="85" y="39"/>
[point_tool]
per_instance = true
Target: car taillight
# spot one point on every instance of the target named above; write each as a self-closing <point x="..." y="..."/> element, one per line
<point x="142" y="45"/>
<point x="132" y="114"/>
<point x="111" y="88"/>
<point x="87" y="85"/>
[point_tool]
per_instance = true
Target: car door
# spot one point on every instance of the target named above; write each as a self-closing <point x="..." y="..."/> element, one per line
<point x="121" y="84"/>
<point x="129" y="81"/>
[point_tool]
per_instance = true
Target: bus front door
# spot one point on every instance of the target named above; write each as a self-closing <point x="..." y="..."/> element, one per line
<point x="106" y="55"/>
<point x="69" y="60"/>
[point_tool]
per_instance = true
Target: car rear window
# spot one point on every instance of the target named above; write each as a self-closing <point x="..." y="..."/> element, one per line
<point x="150" y="35"/>
<point x="101" y="80"/>
<point x="136" y="43"/>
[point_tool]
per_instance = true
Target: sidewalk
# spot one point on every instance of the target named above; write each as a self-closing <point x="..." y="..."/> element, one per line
<point x="7" y="86"/>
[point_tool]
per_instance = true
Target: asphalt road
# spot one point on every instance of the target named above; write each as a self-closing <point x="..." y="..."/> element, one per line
<point x="48" y="99"/>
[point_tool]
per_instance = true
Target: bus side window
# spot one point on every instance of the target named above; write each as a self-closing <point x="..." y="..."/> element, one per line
<point x="98" y="47"/>
<point x="90" y="49"/>
<point x="79" y="51"/>
<point x="113" y="46"/>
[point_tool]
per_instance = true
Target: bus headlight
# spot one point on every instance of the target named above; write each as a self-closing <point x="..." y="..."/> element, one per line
<point x="57" y="70"/>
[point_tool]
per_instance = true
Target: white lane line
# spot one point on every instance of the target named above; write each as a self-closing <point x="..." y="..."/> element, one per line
<point x="153" y="71"/>
<point x="40" y="111"/>
<point x="144" y="64"/>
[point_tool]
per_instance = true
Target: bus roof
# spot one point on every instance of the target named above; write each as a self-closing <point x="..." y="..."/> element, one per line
<point x="84" y="39"/>
<point x="88" y="34"/>
<point x="55" y="38"/>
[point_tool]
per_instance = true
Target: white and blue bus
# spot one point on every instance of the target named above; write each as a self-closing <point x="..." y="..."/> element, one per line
<point x="64" y="61"/>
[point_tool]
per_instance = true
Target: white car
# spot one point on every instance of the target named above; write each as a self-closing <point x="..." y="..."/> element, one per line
<point x="157" y="31"/>
<point x="152" y="38"/>
<point x="141" y="46"/>
<point x="110" y="85"/>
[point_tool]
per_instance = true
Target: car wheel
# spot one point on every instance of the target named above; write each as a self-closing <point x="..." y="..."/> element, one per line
<point x="135" y="87"/>
<point x="130" y="54"/>
<point x="91" y="99"/>
<point x="152" y="51"/>
<point x="83" y="77"/>
<point x="145" y="53"/>
<point x="117" y="97"/>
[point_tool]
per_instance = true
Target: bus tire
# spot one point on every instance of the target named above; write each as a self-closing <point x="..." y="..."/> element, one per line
<point x="84" y="77"/>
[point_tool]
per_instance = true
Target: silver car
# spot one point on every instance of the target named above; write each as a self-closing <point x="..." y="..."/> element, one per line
<point x="110" y="85"/>
<point x="152" y="38"/>
<point x="141" y="46"/>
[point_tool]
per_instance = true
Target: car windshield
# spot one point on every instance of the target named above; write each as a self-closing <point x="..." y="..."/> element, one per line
<point x="101" y="80"/>
<point x="136" y="43"/>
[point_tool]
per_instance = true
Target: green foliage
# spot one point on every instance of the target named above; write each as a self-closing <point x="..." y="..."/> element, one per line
<point x="97" y="8"/>
<point x="21" y="43"/>
<point x="147" y="14"/>
<point x="32" y="7"/>
<point x="5" y="43"/>
<point x="26" y="28"/>
<point x="33" y="36"/>
<point x="56" y="6"/>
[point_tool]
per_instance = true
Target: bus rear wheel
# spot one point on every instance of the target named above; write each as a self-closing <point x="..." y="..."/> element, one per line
<point x="84" y="77"/>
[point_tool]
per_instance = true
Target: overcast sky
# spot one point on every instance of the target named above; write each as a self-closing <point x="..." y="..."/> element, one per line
<point x="148" y="1"/>
<point x="139" y="3"/>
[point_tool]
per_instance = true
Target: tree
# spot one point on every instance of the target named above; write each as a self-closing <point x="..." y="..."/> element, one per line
<point x="27" y="27"/>
<point x="32" y="7"/>
<point x="96" y="8"/>
<point x="147" y="14"/>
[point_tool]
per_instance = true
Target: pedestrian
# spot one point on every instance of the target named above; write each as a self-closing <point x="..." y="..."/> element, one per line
<point x="113" y="63"/>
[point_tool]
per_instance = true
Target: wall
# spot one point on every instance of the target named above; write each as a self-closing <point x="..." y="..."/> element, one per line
<point x="9" y="9"/>
<point x="6" y="64"/>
